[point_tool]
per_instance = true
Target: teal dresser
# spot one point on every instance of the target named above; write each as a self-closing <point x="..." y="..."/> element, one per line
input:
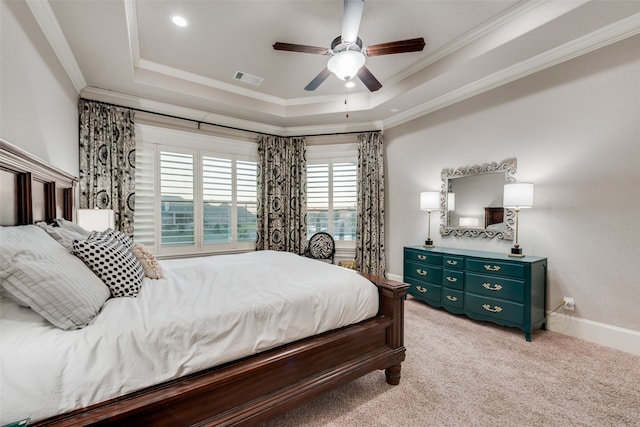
<point x="482" y="285"/>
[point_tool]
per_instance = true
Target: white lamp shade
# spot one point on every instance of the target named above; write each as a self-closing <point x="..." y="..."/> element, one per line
<point x="518" y="195"/>
<point x="345" y="65"/>
<point x="95" y="219"/>
<point x="451" y="201"/>
<point x="430" y="201"/>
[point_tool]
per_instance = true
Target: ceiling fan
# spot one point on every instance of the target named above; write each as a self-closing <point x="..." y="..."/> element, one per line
<point x="347" y="54"/>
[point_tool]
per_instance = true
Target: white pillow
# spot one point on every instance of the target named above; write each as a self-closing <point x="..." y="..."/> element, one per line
<point x="39" y="273"/>
<point x="71" y="226"/>
<point x="64" y="236"/>
<point x="112" y="262"/>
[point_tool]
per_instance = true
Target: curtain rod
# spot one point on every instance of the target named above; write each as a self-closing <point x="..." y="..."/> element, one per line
<point x="199" y="122"/>
<point x="171" y="116"/>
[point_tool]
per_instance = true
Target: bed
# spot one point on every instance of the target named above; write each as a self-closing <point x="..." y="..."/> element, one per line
<point x="234" y="390"/>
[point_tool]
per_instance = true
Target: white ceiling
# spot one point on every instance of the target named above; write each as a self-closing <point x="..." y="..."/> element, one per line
<point x="130" y="53"/>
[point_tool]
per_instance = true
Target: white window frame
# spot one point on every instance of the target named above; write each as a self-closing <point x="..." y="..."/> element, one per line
<point x="330" y="154"/>
<point x="160" y="139"/>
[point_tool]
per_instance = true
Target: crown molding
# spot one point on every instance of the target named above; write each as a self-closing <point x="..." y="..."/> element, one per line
<point x="498" y="21"/>
<point x="612" y="33"/>
<point x="201" y="116"/>
<point x="351" y="127"/>
<point x="46" y="19"/>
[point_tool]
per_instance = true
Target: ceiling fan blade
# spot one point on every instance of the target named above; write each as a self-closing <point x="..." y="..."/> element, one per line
<point x="351" y="20"/>
<point x="401" y="46"/>
<point x="290" y="47"/>
<point x="369" y="79"/>
<point x="313" y="84"/>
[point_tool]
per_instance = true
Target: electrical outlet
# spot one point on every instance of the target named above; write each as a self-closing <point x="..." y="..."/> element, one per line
<point x="569" y="303"/>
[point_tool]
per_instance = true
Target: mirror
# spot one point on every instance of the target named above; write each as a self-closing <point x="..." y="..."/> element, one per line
<point x="477" y="203"/>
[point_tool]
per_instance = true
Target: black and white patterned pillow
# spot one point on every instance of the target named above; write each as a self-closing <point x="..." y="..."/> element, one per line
<point x="112" y="262"/>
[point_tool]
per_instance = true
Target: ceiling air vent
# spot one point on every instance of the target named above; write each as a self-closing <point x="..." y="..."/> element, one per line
<point x="248" y="78"/>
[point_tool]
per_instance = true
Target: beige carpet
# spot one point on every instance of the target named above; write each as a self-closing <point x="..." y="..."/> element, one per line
<point x="461" y="372"/>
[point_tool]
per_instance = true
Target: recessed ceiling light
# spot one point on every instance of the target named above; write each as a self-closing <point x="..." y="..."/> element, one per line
<point x="349" y="84"/>
<point x="179" y="21"/>
<point x="394" y="110"/>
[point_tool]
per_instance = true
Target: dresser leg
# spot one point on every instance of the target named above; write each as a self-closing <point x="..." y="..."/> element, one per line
<point x="393" y="374"/>
<point x="527" y="335"/>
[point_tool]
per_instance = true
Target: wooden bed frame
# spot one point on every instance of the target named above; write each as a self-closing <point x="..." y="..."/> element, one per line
<point x="243" y="392"/>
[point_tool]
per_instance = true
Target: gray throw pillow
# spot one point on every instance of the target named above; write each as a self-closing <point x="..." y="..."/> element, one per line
<point x="38" y="272"/>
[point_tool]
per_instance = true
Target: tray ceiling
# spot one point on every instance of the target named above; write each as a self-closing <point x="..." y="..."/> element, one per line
<point x="129" y="52"/>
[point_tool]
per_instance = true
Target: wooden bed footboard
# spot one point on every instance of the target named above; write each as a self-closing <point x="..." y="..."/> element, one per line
<point x="257" y="388"/>
<point x="243" y="392"/>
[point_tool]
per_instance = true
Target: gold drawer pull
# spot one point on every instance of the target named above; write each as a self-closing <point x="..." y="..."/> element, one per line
<point x="491" y="288"/>
<point x="421" y="289"/>
<point x="492" y="267"/>
<point x="495" y="309"/>
<point x="452" y="279"/>
<point x="450" y="298"/>
<point x="452" y="262"/>
<point x="422" y="257"/>
<point x="421" y="272"/>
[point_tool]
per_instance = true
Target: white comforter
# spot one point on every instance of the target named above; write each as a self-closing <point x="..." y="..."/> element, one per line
<point x="204" y="312"/>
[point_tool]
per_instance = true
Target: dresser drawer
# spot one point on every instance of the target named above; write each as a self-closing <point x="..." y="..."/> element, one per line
<point x="488" y="266"/>
<point x="450" y="261"/>
<point x="425" y="291"/>
<point x="422" y="257"/>
<point x="495" y="309"/>
<point x="453" y="278"/>
<point x="495" y="287"/>
<point x="452" y="298"/>
<point x="423" y="272"/>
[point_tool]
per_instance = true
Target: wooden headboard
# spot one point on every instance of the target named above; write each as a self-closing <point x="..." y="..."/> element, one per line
<point x="31" y="190"/>
<point x="493" y="216"/>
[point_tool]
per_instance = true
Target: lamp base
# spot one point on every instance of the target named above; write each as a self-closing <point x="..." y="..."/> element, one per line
<point x="516" y="252"/>
<point x="429" y="244"/>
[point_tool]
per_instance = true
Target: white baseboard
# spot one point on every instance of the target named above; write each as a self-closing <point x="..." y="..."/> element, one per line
<point x="621" y="339"/>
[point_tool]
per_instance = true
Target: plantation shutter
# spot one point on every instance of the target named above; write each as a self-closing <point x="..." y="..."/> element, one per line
<point x="247" y="200"/>
<point x="344" y="200"/>
<point x="217" y="193"/>
<point x="317" y="198"/>
<point x="176" y="192"/>
<point x="144" y="215"/>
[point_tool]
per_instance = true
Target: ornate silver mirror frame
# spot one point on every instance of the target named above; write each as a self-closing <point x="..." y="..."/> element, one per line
<point x="505" y="229"/>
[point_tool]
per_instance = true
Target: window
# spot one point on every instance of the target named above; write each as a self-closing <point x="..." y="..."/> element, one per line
<point x="332" y="192"/>
<point x="207" y="192"/>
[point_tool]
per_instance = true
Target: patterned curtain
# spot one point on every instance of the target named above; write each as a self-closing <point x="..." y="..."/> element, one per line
<point x="370" y="256"/>
<point x="282" y="194"/>
<point x="107" y="161"/>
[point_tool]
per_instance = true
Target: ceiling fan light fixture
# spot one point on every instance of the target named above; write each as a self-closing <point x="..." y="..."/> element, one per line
<point x="345" y="65"/>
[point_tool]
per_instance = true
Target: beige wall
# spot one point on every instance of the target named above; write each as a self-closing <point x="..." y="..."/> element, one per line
<point x="38" y="103"/>
<point x="575" y="131"/>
